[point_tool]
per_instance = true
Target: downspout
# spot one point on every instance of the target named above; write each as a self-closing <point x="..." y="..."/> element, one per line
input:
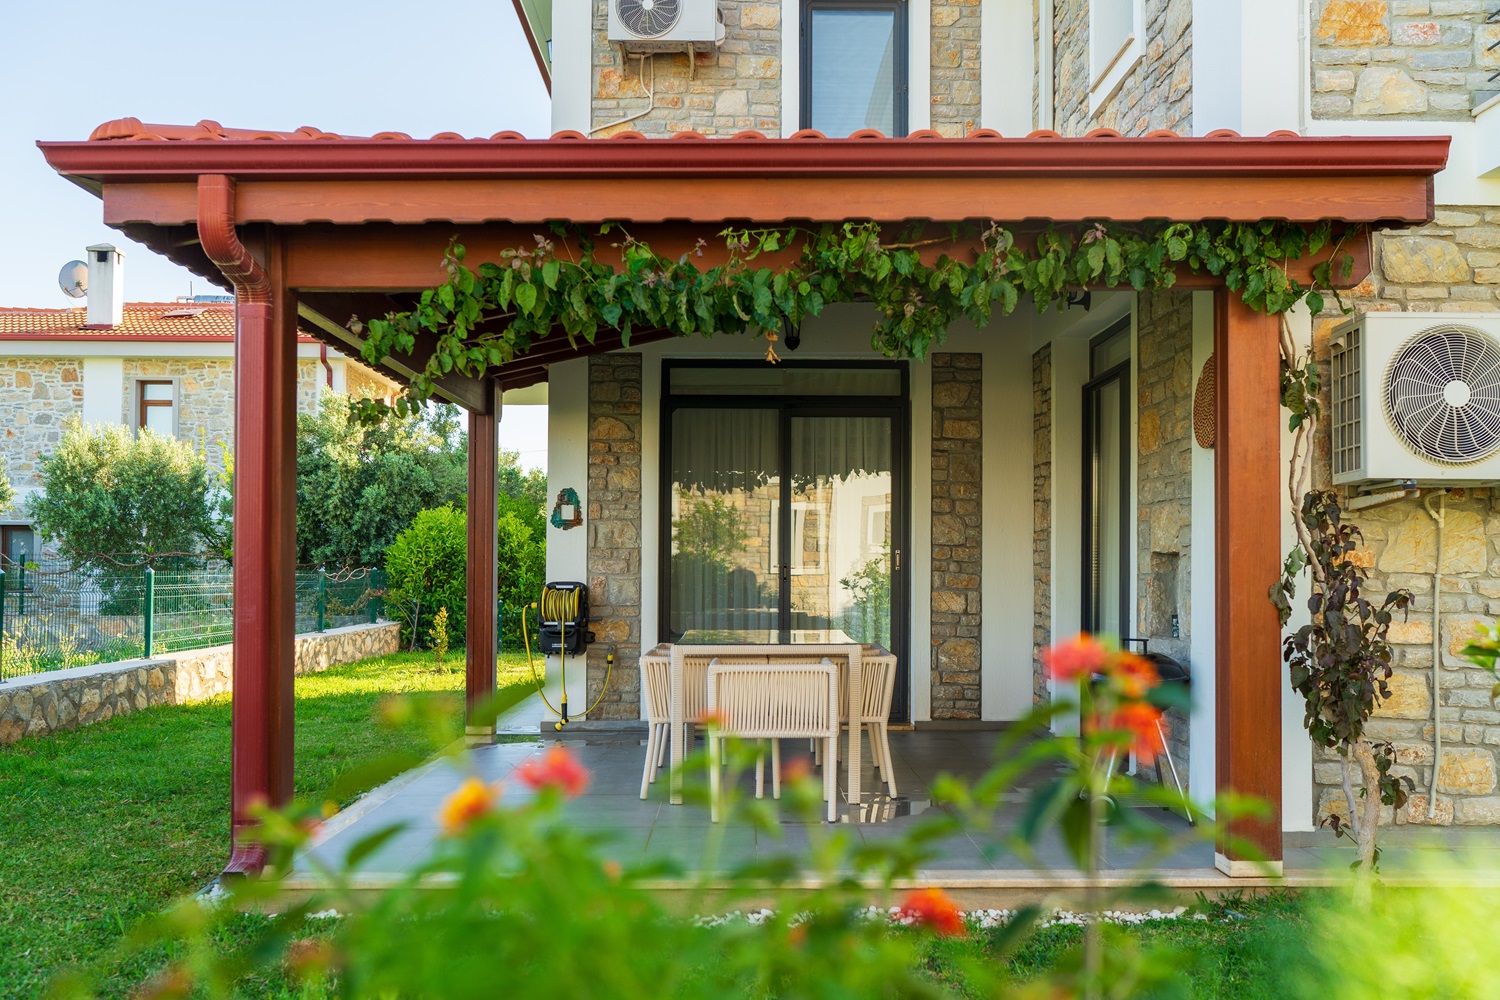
<point x="327" y="365"/>
<point x="1441" y="496"/>
<point x="216" y="232"/>
<point x="252" y="293"/>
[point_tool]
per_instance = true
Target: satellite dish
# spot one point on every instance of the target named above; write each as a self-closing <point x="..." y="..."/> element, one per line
<point x="73" y="279"/>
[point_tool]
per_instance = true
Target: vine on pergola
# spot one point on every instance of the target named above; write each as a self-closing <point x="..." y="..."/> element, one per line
<point x="569" y="285"/>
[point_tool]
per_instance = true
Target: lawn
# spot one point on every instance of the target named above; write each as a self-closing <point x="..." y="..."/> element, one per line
<point x="101" y="825"/>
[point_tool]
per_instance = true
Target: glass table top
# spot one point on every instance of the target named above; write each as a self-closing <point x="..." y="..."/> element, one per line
<point x="765" y="637"/>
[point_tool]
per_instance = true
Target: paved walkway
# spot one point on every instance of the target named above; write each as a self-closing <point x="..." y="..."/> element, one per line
<point x="655" y="828"/>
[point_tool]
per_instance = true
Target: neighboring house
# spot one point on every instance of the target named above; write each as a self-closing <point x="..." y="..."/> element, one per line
<point x="1021" y="483"/>
<point x="167" y="366"/>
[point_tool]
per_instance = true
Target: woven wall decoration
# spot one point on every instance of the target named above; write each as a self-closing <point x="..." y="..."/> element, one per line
<point x="1205" y="399"/>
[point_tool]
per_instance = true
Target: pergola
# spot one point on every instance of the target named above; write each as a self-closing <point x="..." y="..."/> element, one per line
<point x="322" y="228"/>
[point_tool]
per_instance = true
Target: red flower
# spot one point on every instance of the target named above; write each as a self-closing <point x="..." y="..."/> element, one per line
<point x="1080" y="656"/>
<point x="1135" y="674"/>
<point x="1144" y="724"/>
<point x="796" y="769"/>
<point x="933" y="908"/>
<point x="558" y="769"/>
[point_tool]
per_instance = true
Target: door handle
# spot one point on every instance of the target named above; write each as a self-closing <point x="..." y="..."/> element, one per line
<point x="896" y="566"/>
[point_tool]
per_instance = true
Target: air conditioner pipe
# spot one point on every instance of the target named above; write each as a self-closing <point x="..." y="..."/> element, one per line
<point x="640" y="74"/>
<point x="1441" y="496"/>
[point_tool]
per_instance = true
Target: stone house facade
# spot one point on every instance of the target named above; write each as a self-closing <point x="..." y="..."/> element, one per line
<point x="995" y="517"/>
<point x="169" y="366"/>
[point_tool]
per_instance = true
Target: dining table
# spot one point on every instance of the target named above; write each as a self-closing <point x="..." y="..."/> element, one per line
<point x="785" y="646"/>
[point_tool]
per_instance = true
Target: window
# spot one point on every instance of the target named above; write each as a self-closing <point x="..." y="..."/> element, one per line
<point x="156" y="407"/>
<point x="854" y="60"/>
<point x="1116" y="43"/>
<point x="17" y="544"/>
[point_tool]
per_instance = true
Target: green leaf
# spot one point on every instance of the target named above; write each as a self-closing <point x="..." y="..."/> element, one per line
<point x="526" y="297"/>
<point x="549" y="274"/>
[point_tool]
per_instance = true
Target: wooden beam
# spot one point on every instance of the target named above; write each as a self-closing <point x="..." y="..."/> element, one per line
<point x="1247" y="552"/>
<point x="265" y="563"/>
<point x="481" y="578"/>
<point x="326" y="316"/>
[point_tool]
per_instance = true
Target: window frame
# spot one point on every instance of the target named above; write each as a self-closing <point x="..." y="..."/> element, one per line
<point x="1108" y="69"/>
<point x="6" y="532"/>
<point x="140" y="404"/>
<point x="901" y="68"/>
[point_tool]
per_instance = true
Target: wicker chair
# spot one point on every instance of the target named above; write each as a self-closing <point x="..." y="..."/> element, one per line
<point x="878" y="675"/>
<point x="656" y="698"/>
<point x="694" y="699"/>
<point x="774" y="701"/>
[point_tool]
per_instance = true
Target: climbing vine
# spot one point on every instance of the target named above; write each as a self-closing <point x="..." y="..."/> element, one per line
<point x="577" y="284"/>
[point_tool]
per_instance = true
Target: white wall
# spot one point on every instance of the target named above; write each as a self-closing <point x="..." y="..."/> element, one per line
<point x="567" y="465"/>
<point x="1247" y="66"/>
<point x="1203" y="591"/>
<point x="572" y="65"/>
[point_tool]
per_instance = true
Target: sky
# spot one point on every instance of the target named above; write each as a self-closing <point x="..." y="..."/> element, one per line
<point x="355" y="68"/>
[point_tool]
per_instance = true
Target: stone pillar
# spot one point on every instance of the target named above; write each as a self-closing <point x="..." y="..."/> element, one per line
<point x="614" y="526"/>
<point x="1041" y="526"/>
<point x="1164" y="484"/>
<point x="957" y="466"/>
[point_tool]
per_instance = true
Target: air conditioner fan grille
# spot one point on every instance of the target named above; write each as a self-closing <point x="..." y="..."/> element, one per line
<point x="648" y="18"/>
<point x="1442" y="394"/>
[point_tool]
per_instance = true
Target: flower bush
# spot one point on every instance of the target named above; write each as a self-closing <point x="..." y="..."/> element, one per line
<point x="516" y="900"/>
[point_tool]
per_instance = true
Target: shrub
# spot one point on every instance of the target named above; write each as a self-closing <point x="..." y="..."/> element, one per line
<point x="426" y="568"/>
<point x="438" y="635"/>
<point x="7" y="493"/>
<point x="425" y="571"/>
<point x="106" y="490"/>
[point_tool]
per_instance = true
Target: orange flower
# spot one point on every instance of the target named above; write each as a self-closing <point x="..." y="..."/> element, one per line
<point x="1135" y="674"/>
<point x="934" y="908"/>
<point x="1144" y="724"/>
<point x="711" y="717"/>
<point x="473" y="800"/>
<point x="612" y="869"/>
<point x="796" y="769"/>
<point x="1080" y="656"/>
<point x="559" y="769"/>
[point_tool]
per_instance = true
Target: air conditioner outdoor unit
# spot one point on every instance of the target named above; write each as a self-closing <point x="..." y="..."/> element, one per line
<point x="1416" y="398"/>
<point x="664" y="25"/>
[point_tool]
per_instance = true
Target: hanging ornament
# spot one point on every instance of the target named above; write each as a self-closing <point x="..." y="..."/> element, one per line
<point x="567" y="512"/>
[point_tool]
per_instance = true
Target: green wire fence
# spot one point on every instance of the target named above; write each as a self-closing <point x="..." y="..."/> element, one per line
<point x="55" y="616"/>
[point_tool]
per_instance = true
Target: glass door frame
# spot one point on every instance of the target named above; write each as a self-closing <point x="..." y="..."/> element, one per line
<point x="895" y="407"/>
<point x="1091" y="414"/>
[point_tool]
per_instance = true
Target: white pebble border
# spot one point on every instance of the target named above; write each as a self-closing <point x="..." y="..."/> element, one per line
<point x="976" y="919"/>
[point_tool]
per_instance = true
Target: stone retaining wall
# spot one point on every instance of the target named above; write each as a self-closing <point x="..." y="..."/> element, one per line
<point x="66" y="699"/>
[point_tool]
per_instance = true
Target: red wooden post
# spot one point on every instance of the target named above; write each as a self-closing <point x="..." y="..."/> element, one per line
<point x="482" y="573"/>
<point x="1247" y="476"/>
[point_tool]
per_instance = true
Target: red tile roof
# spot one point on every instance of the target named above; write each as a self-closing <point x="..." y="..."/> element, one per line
<point x="144" y="321"/>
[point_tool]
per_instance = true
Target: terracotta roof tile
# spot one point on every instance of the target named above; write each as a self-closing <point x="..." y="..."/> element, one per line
<point x="134" y="129"/>
<point x="144" y="321"/>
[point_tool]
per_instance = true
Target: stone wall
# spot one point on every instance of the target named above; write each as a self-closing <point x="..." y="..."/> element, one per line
<point x="957" y="539"/>
<point x="1374" y="59"/>
<point x="1164" y="486"/>
<point x="1156" y="94"/>
<point x="37" y="396"/>
<point x="66" y="699"/>
<point x="1452" y="265"/>
<point x="955" y="66"/>
<point x="1041" y="526"/>
<point x="614" y="531"/>
<point x="723" y="91"/>
<point x="205" y="392"/>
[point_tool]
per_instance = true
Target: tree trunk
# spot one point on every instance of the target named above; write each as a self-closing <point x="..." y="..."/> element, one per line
<point x="1369" y="822"/>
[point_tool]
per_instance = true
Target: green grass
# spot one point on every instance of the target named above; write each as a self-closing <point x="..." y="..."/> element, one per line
<point x="102" y="825"/>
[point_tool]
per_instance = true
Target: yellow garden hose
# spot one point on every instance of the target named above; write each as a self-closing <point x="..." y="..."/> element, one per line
<point x="560" y="606"/>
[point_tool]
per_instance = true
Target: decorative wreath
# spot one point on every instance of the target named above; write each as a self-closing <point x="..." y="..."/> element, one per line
<point x="567" y="499"/>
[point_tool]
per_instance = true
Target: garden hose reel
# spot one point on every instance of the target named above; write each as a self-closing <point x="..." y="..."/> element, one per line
<point x="563" y="628"/>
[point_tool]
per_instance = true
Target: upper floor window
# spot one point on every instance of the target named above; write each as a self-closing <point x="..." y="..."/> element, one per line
<point x="156" y="406"/>
<point x="854" y="60"/>
<point x="1117" y="30"/>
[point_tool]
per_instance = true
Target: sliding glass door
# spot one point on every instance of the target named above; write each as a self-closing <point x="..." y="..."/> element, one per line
<point x="783" y="508"/>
